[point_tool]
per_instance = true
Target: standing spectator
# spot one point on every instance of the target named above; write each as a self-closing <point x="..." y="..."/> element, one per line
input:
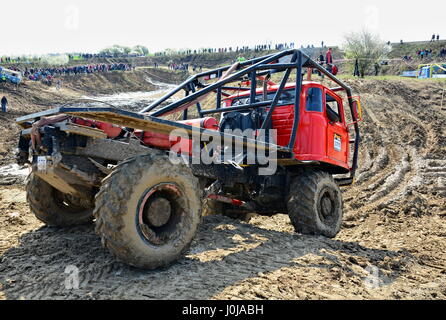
<point x="4" y="103"/>
<point x="438" y="37"/>
<point x="376" y="68"/>
<point x="356" y="71"/>
<point x="433" y="38"/>
<point x="321" y="59"/>
<point x="329" y="57"/>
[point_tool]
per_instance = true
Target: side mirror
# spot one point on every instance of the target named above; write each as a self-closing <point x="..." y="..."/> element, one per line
<point x="357" y="110"/>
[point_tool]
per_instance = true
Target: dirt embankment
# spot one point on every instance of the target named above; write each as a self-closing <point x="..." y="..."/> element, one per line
<point x="32" y="97"/>
<point x="392" y="244"/>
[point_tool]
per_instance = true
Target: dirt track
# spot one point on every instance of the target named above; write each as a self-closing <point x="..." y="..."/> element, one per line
<point x="392" y="244"/>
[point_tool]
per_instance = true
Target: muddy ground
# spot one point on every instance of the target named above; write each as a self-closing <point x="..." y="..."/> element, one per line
<point x="392" y="244"/>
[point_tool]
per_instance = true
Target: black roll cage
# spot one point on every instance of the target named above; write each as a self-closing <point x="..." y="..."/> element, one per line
<point x="285" y="61"/>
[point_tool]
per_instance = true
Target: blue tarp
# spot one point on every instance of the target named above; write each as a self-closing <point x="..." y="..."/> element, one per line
<point x="412" y="74"/>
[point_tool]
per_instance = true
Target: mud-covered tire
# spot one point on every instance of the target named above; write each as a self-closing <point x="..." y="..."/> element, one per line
<point x="52" y="207"/>
<point x="124" y="213"/>
<point x="315" y="204"/>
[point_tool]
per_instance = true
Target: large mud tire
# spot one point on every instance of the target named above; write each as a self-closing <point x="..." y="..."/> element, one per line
<point x="54" y="208"/>
<point x="125" y="214"/>
<point x="315" y="204"/>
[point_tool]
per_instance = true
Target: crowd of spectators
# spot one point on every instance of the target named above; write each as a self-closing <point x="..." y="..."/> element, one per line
<point x="37" y="74"/>
<point x="426" y="54"/>
<point x="178" y="66"/>
<point x="47" y="75"/>
<point x="87" y="56"/>
<point x="183" y="66"/>
<point x="241" y="49"/>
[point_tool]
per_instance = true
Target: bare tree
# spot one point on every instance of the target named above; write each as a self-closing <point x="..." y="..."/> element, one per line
<point x="366" y="48"/>
<point x="141" y="50"/>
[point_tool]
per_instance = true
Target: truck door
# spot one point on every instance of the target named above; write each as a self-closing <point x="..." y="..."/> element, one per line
<point x="337" y="133"/>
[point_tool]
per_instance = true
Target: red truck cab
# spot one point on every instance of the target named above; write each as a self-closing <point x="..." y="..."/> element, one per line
<point x="323" y="134"/>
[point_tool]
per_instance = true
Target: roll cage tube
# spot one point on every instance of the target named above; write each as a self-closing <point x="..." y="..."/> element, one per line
<point x="251" y="70"/>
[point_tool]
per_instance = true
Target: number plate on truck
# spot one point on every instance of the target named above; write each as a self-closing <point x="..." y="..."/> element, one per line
<point x="42" y="164"/>
<point x="337" y="142"/>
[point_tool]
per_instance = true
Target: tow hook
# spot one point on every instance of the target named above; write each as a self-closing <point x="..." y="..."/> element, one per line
<point x="234" y="202"/>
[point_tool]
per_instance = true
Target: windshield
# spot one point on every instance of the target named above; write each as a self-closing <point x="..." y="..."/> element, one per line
<point x="286" y="98"/>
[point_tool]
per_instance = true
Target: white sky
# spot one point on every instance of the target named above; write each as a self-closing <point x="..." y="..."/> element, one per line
<point x="43" y="26"/>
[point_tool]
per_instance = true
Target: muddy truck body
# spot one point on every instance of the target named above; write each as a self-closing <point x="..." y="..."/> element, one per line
<point x="244" y="145"/>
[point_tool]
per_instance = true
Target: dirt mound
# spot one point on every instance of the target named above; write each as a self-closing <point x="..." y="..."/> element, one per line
<point x="392" y="244"/>
<point x="32" y="97"/>
<point x="403" y="154"/>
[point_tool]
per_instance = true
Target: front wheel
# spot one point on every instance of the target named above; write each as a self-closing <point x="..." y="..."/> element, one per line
<point x="315" y="204"/>
<point x="55" y="208"/>
<point x="148" y="211"/>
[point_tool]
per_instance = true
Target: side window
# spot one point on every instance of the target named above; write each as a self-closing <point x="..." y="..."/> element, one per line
<point x="332" y="109"/>
<point x="314" y="99"/>
<point x="438" y="70"/>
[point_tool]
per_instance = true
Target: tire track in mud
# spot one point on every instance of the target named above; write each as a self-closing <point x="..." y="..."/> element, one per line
<point x="402" y="131"/>
<point x="401" y="178"/>
<point x="224" y="254"/>
<point x="384" y="175"/>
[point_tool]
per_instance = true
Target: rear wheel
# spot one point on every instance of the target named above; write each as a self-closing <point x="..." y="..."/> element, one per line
<point x="315" y="204"/>
<point x="148" y="211"/>
<point x="55" y="208"/>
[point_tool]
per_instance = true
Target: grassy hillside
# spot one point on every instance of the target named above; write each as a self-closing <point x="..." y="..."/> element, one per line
<point x="213" y="60"/>
<point x="411" y="48"/>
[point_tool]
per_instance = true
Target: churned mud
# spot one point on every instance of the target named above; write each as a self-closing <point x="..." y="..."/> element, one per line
<point x="392" y="244"/>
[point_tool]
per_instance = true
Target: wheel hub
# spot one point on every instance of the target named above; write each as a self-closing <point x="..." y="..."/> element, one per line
<point x="158" y="212"/>
<point x="327" y="206"/>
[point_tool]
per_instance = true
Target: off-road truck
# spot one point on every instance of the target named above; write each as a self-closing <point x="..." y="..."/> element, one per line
<point x="141" y="176"/>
